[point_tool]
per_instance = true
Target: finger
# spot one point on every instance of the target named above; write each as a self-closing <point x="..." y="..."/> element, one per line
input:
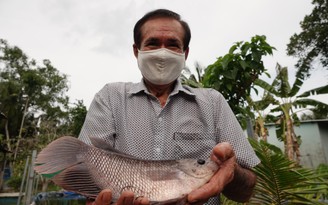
<point x="126" y="198"/>
<point x="89" y="202"/>
<point x="199" y="202"/>
<point x="141" y="201"/>
<point x="104" y="197"/>
<point x="203" y="193"/>
<point x="221" y="152"/>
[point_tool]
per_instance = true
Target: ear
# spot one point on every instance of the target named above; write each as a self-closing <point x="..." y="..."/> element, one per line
<point x="135" y="50"/>
<point x="186" y="53"/>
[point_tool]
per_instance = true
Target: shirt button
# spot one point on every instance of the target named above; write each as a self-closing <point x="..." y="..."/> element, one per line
<point x="160" y="119"/>
<point x="158" y="150"/>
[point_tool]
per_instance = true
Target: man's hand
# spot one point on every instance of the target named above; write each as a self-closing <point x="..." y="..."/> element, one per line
<point x="224" y="156"/>
<point x="126" y="198"/>
<point x="233" y="181"/>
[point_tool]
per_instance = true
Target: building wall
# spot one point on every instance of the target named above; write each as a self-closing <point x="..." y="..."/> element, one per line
<point x="314" y="146"/>
<point x="323" y="127"/>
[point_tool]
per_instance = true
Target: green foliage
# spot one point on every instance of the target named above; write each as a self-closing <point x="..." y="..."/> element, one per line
<point x="288" y="95"/>
<point x="195" y="81"/>
<point x="233" y="74"/>
<point x="77" y="117"/>
<point x="319" y="110"/>
<point x="322" y="169"/>
<point x="289" y="100"/>
<point x="26" y="85"/>
<point x="311" y="44"/>
<point x="281" y="181"/>
<point x="224" y="200"/>
<point x="14" y="182"/>
<point x="41" y="90"/>
<point x="33" y="97"/>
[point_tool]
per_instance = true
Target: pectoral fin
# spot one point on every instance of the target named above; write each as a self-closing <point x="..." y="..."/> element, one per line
<point x="78" y="179"/>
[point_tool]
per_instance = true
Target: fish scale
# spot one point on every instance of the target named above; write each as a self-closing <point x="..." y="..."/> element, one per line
<point x="85" y="169"/>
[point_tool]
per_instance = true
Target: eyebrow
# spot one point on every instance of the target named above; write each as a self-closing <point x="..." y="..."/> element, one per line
<point x="152" y="40"/>
<point x="156" y="40"/>
<point x="173" y="40"/>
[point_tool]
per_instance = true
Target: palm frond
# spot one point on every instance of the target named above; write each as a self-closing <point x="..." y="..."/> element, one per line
<point x="303" y="103"/>
<point x="296" y="87"/>
<point x="265" y="102"/>
<point x="281" y="181"/>
<point x="315" y="91"/>
<point x="283" y="86"/>
<point x="266" y="86"/>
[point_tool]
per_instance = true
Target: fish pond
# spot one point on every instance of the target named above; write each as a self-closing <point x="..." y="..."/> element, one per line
<point x="49" y="198"/>
<point x="59" y="198"/>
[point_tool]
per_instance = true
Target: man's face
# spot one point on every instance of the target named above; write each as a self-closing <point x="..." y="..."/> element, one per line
<point x="162" y="33"/>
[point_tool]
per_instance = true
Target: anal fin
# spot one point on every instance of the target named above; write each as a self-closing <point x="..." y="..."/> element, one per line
<point x="177" y="201"/>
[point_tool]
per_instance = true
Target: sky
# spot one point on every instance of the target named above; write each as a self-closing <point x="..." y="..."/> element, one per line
<point x="91" y="41"/>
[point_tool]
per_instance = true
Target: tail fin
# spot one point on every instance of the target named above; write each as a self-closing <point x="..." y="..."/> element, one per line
<point x="58" y="155"/>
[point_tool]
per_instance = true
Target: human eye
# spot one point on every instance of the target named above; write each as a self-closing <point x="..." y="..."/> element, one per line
<point x="174" y="45"/>
<point x="151" y="44"/>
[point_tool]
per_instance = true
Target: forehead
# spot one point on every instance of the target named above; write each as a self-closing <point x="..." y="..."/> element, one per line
<point x="162" y="28"/>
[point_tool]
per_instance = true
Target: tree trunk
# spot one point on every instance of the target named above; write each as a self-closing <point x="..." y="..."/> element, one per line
<point x="289" y="139"/>
<point x="7" y="136"/>
<point x="5" y="156"/>
<point x="296" y="147"/>
<point x="45" y="183"/>
<point x="263" y="132"/>
<point x="21" y="129"/>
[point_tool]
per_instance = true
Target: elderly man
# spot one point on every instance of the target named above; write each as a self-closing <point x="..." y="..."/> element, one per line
<point x="159" y="118"/>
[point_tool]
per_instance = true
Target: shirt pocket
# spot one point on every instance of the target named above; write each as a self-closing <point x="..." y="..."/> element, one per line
<point x="193" y="145"/>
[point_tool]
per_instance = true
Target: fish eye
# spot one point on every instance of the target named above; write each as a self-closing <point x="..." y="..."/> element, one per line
<point x="201" y="161"/>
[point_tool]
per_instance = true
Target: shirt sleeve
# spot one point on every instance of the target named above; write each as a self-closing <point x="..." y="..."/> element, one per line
<point x="99" y="121"/>
<point x="229" y="130"/>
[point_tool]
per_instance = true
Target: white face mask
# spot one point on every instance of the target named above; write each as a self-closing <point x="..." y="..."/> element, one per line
<point x="161" y="66"/>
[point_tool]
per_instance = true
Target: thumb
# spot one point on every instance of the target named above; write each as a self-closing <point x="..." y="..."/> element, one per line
<point x="222" y="152"/>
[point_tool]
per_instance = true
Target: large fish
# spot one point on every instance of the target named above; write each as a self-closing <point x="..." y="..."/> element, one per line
<point x="85" y="169"/>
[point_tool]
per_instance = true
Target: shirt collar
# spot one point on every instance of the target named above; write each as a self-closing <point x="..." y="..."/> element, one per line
<point x="139" y="87"/>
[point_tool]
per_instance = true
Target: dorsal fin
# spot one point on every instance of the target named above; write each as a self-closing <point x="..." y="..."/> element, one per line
<point x="102" y="144"/>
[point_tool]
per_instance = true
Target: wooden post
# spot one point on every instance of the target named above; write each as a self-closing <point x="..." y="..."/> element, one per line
<point x="30" y="180"/>
<point x="23" y="180"/>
